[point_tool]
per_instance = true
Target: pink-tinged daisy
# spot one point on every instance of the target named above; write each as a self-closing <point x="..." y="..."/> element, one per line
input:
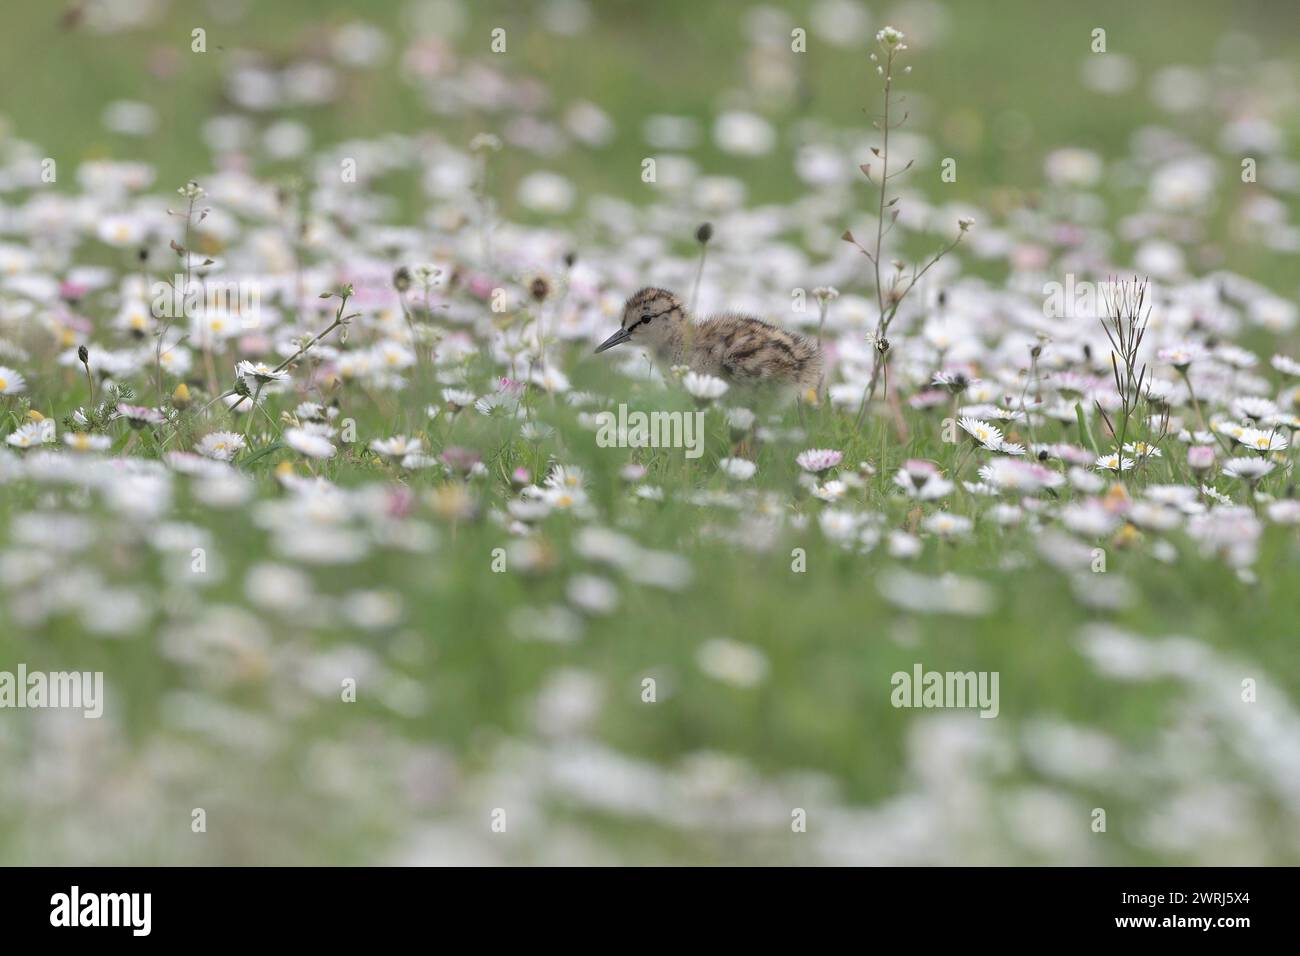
<point x="921" y="480"/>
<point x="1180" y="356"/>
<point x="1286" y="511"/>
<point x="817" y="460"/>
<point x="460" y="460"/>
<point x="1008" y="474"/>
<point x="1200" y="457"/>
<point x="139" y="416"/>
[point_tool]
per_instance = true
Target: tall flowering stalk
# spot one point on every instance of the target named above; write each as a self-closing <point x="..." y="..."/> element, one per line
<point x="890" y="292"/>
<point x="1125" y="324"/>
<point x="192" y="192"/>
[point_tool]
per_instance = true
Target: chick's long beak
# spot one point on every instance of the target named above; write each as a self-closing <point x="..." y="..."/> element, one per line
<point x="622" y="335"/>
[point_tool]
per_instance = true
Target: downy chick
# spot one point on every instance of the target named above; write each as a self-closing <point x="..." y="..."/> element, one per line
<point x="737" y="348"/>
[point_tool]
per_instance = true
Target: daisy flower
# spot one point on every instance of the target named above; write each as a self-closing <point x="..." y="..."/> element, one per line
<point x="740" y="419"/>
<point x="1286" y="511"/>
<point x="552" y="380"/>
<point x="704" y="387"/>
<point x="948" y="526"/>
<point x="259" y="372"/>
<point x="221" y="446"/>
<point x="458" y="398"/>
<point x="953" y="381"/>
<point x="728" y="661"/>
<point x="921" y="480"/>
<point x="1285" y="364"/>
<point x="1200" y="457"/>
<point x="1007" y="474"/>
<point x="837" y="524"/>
<point x="982" y="432"/>
<point x="215" y="325"/>
<point x="1250" y="406"/>
<point x="86" y="441"/>
<point x="567" y="477"/>
<point x="139" y="415"/>
<point x="564" y="499"/>
<point x="460" y="460"/>
<point x="11" y="383"/>
<point x="397" y="446"/>
<point x="903" y="545"/>
<point x="309" y="443"/>
<point x="1262" y="441"/>
<point x="741" y="469"/>
<point x="417" y="460"/>
<point x="831" y="491"/>
<point x="817" y="460"/>
<point x="121" y="231"/>
<point x="312" y="412"/>
<point x="1113" y="462"/>
<point x="1247" y="469"/>
<point x="1180" y="356"/>
<point x="32" y="434"/>
<point x="1141" y="450"/>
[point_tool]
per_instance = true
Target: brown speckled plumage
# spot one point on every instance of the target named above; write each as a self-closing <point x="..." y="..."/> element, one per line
<point x="738" y="348"/>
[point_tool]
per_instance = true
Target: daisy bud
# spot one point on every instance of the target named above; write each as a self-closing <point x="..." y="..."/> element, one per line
<point x="83" y="354"/>
<point x="181" y="396"/>
<point x="704" y="233"/>
<point x="1200" y="457"/>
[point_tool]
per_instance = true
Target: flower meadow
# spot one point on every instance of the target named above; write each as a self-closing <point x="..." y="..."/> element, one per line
<point x="300" y="451"/>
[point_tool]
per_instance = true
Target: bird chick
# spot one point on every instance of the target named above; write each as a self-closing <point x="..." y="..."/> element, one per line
<point x="737" y="348"/>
